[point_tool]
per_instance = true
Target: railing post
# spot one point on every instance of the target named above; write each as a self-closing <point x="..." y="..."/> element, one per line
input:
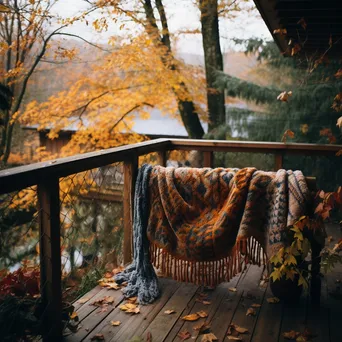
<point x="50" y="258"/>
<point x="162" y="157"/>
<point x="130" y="174"/>
<point x="208" y="159"/>
<point x="278" y="161"/>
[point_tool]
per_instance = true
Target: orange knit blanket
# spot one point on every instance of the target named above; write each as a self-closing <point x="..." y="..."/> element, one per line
<point x="205" y="224"/>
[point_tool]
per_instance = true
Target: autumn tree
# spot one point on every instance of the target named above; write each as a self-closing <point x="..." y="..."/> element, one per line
<point x="27" y="28"/>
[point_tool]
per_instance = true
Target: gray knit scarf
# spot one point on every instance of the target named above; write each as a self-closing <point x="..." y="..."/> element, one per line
<point x="140" y="275"/>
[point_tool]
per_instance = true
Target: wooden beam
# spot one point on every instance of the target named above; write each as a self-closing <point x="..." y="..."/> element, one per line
<point x="130" y="174"/>
<point x="162" y="157"/>
<point x="50" y="258"/>
<point x="208" y="159"/>
<point x="278" y="161"/>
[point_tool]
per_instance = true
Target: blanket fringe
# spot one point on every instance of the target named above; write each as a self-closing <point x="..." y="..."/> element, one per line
<point x="209" y="273"/>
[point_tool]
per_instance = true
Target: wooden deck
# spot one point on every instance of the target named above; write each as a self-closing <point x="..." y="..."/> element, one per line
<point x="226" y="307"/>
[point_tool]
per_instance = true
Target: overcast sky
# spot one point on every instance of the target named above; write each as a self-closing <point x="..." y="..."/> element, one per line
<point x="182" y="15"/>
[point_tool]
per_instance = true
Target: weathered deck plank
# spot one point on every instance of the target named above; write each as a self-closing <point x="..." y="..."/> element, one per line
<point x="225" y="307"/>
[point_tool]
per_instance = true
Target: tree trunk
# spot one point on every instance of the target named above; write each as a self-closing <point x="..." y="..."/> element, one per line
<point x="187" y="108"/>
<point x="213" y="61"/>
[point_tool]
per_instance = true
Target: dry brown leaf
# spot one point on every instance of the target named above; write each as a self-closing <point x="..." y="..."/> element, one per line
<point x="240" y="329"/>
<point x="235" y="330"/>
<point x="255" y="305"/>
<point x="115" y="323"/>
<point x="169" y="312"/>
<point x="206" y="302"/>
<point x="273" y="300"/>
<point x="97" y="337"/>
<point x="202" y="328"/>
<point x="291" y="335"/>
<point x="251" y="312"/>
<point x="192" y="317"/>
<point x="330" y="238"/>
<point x="234" y="338"/>
<point x="104" y="308"/>
<point x="232" y="289"/>
<point x="209" y="337"/>
<point x="108" y="275"/>
<point x="202" y="314"/>
<point x="83" y="300"/>
<point x="104" y="300"/>
<point x="184" y="335"/>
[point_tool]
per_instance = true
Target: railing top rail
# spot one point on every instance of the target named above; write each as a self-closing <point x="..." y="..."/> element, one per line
<point x="24" y="176"/>
<point x="255" y="146"/>
<point x="20" y="177"/>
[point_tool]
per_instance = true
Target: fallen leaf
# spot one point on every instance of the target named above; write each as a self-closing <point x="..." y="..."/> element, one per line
<point x="83" y="300"/>
<point x="202" y="328"/>
<point x="169" y="312"/>
<point x="97" y="337"/>
<point x="241" y="330"/>
<point x="256" y="305"/>
<point x="291" y="335"/>
<point x="184" y="335"/>
<point x="251" y="312"/>
<point x="129" y="308"/>
<point x="74" y="315"/>
<point x="202" y="314"/>
<point x="209" y="337"/>
<point x="115" y="323"/>
<point x="284" y="96"/>
<point x="234" y="338"/>
<point x="273" y="300"/>
<point x="108" y="275"/>
<point x="205" y="302"/>
<point x="192" y="317"/>
<point x="235" y="330"/>
<point x="104" y="308"/>
<point x="132" y="300"/>
<point x="113" y="286"/>
<point x="232" y="289"/>
<point x="104" y="300"/>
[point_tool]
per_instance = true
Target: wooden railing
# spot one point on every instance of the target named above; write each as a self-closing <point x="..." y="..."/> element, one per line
<point x="46" y="175"/>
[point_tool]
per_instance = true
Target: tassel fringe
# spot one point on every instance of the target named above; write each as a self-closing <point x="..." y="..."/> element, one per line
<point x="209" y="273"/>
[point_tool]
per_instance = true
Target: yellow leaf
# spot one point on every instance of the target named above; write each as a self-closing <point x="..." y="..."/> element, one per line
<point x="256" y="305"/>
<point x="240" y="329"/>
<point x="115" y="323"/>
<point x="73" y="315"/>
<point x="276" y="274"/>
<point x="304" y="128"/>
<point x="192" y="317"/>
<point x="234" y="338"/>
<point x="290" y="260"/>
<point x="232" y="289"/>
<point x="273" y="300"/>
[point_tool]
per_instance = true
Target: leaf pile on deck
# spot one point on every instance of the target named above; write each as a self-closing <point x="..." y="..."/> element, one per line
<point x="201" y="225"/>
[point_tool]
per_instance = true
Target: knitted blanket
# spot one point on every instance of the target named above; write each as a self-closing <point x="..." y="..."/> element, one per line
<point x="203" y="225"/>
